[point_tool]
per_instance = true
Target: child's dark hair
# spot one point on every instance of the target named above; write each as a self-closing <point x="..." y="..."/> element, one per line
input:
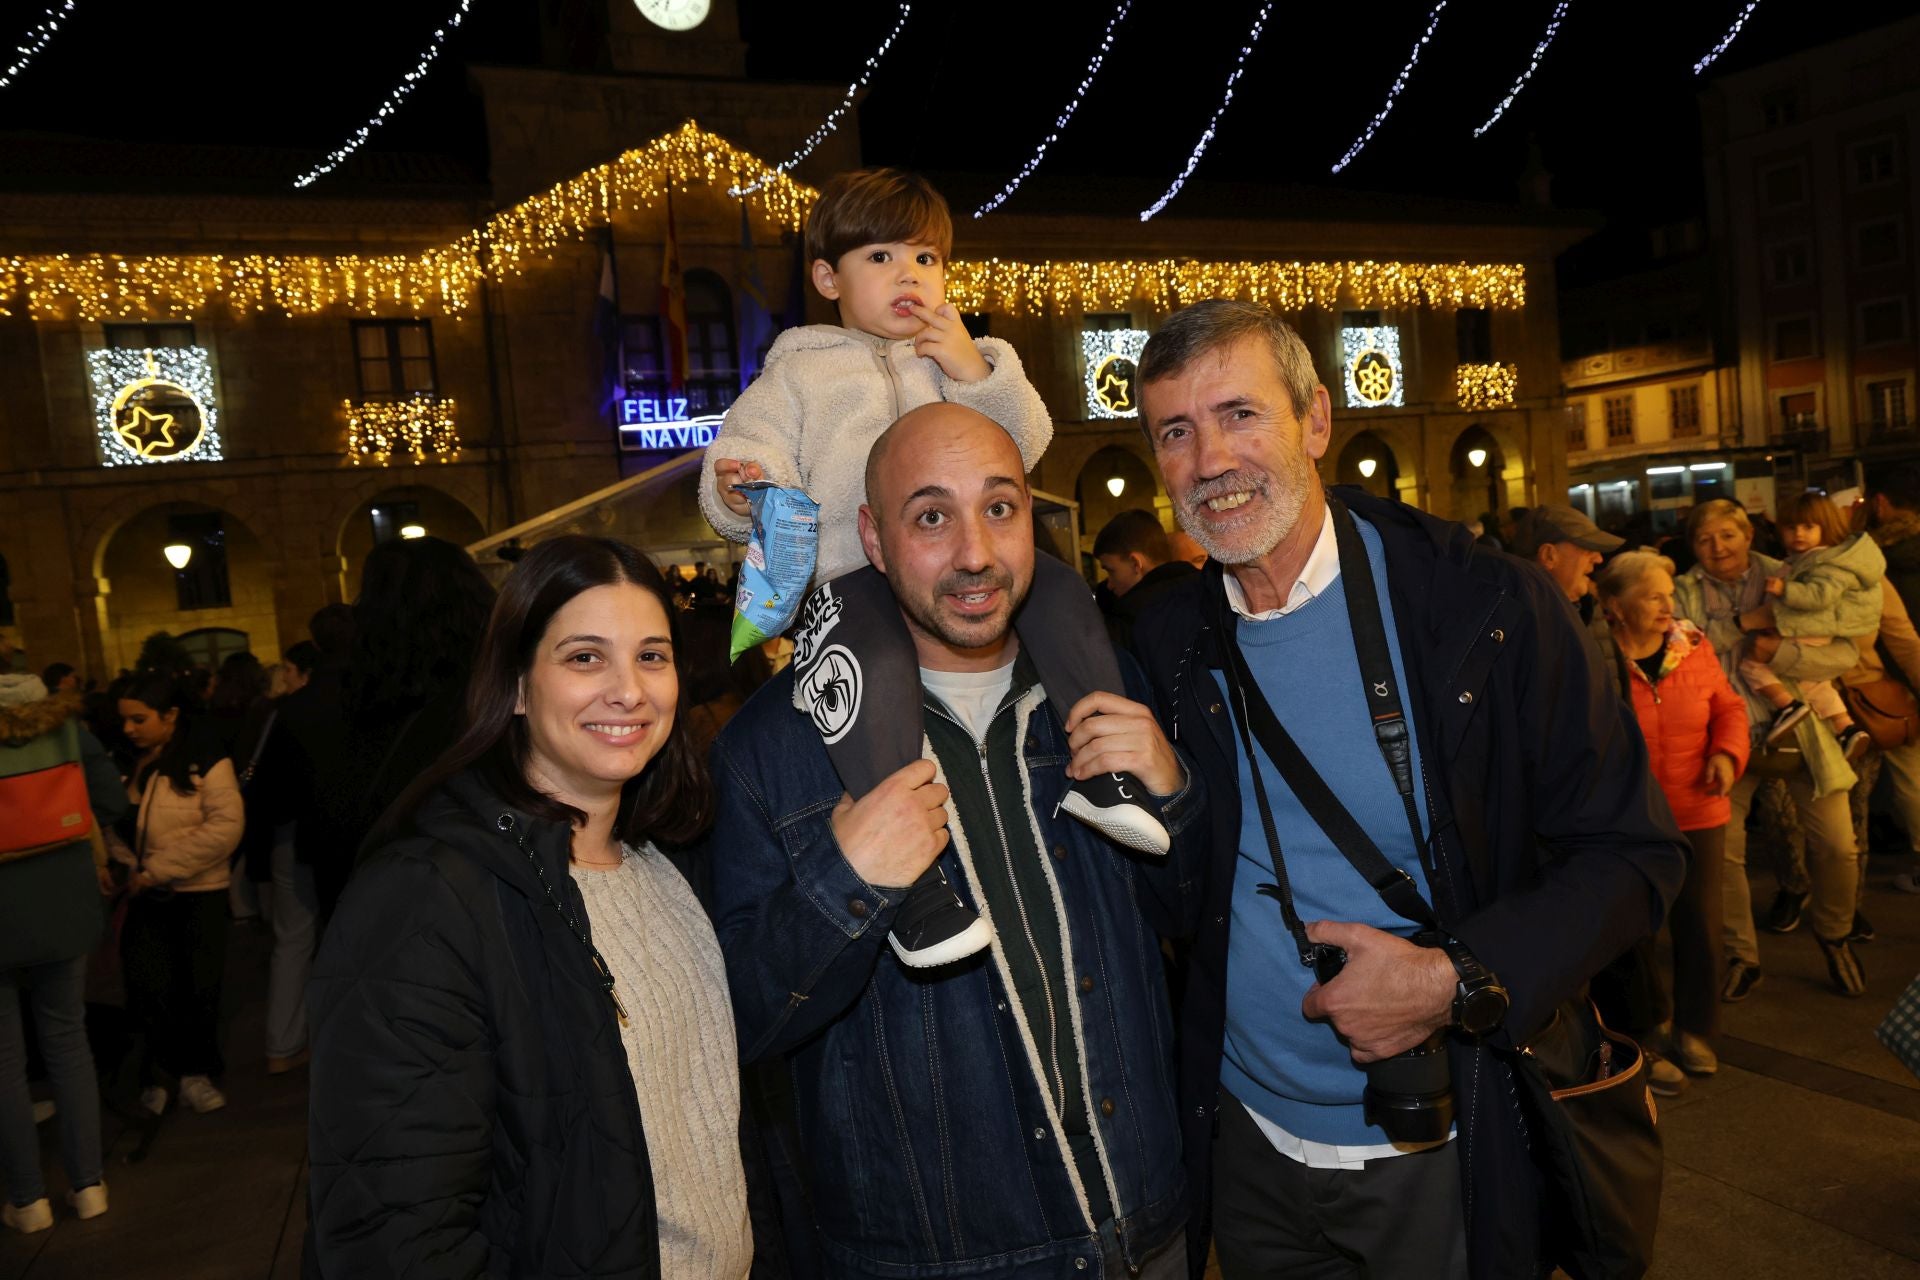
<point x="1813" y="507"/>
<point x="876" y="206"/>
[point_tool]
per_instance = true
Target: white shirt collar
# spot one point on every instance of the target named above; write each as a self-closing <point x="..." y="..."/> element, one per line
<point x="1319" y="573"/>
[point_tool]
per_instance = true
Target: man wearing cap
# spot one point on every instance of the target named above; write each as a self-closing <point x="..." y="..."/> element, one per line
<point x="1561" y="540"/>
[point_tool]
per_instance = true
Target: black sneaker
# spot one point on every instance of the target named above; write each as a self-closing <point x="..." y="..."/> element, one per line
<point x="1785" y="718"/>
<point x="1742" y="978"/>
<point x="1844" y="967"/>
<point x="1855" y="742"/>
<point x="1784" y="915"/>
<point x="1862" y="930"/>
<point x="1114" y="804"/>
<point x="934" y="927"/>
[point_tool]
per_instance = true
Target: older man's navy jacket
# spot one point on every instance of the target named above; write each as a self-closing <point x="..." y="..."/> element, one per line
<point x="1553" y="850"/>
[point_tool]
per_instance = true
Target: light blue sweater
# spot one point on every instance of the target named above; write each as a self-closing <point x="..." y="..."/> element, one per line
<point x="1294" y="1072"/>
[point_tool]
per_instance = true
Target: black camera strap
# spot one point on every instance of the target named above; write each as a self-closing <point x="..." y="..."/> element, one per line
<point x="1255" y="719"/>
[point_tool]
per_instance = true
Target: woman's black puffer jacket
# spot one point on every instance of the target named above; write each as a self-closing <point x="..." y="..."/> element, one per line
<point x="471" y="1110"/>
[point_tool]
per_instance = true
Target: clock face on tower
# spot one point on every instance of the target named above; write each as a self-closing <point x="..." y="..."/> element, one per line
<point x="674" y="15"/>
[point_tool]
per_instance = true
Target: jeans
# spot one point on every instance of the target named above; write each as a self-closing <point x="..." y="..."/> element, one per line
<point x="173" y="950"/>
<point x="58" y="992"/>
<point x="1834" y="873"/>
<point x="295" y="913"/>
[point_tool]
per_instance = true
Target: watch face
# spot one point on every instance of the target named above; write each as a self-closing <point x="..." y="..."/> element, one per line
<point x="674" y="15"/>
<point x="1483" y="1010"/>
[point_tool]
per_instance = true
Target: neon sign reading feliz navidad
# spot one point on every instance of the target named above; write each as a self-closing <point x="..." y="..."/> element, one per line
<point x="650" y="424"/>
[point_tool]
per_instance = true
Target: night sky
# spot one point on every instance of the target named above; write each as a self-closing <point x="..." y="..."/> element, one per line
<point x="1612" y="107"/>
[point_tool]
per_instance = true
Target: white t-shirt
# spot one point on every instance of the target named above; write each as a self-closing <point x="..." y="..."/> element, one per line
<point x="972" y="696"/>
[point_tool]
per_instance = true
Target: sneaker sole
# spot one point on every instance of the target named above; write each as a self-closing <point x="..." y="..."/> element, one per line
<point x="207" y="1109"/>
<point x="972" y="940"/>
<point x="1789" y="927"/>
<point x="1786" y="726"/>
<point x="1729" y="997"/>
<point x="1126" y="824"/>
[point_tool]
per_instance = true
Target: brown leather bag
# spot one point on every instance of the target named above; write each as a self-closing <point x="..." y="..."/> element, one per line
<point x="1886" y="709"/>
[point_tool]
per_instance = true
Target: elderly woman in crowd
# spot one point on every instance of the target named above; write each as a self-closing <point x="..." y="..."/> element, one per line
<point x="1697" y="746"/>
<point x="1725" y="594"/>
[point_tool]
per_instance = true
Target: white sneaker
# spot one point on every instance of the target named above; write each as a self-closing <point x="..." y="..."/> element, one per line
<point x="1695" y="1056"/>
<point x="154" y="1099"/>
<point x="28" y="1218"/>
<point x="1907" y="881"/>
<point x="198" y="1093"/>
<point x="89" y="1202"/>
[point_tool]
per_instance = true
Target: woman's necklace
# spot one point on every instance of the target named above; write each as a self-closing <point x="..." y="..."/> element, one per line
<point x="508" y="827"/>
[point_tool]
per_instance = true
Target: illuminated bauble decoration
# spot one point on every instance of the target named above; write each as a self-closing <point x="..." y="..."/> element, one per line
<point x="674" y="15"/>
<point x="1112" y="366"/>
<point x="157" y="419"/>
<point x="177" y="554"/>
<point x="1367" y="467"/>
<point x="1117" y="486"/>
<point x="1478" y="457"/>
<point x="413" y="531"/>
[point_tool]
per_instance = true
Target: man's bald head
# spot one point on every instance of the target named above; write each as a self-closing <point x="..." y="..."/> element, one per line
<point x="949" y="521"/>
<point x="892" y="475"/>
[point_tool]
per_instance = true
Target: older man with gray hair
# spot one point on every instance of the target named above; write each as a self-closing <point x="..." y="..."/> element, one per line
<point x="1431" y="824"/>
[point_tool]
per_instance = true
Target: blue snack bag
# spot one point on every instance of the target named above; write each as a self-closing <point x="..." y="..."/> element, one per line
<point x="781" y="552"/>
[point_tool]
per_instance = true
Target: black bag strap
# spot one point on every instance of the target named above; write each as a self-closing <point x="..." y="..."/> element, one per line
<point x="1255" y="719"/>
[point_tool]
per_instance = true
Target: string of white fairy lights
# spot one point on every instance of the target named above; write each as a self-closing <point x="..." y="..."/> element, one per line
<point x="1726" y="41"/>
<point x="1539" y="52"/>
<point x="38" y="36"/>
<point x="832" y="122"/>
<point x="1393" y="93"/>
<point x="1066" y="114"/>
<point x="1200" y="147"/>
<point x="408" y="83"/>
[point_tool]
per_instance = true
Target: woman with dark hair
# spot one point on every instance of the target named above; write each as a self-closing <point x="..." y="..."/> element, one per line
<point x="416" y="625"/>
<point x="517" y="966"/>
<point x="173" y="946"/>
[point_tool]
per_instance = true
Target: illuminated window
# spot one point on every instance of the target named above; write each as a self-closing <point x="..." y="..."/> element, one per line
<point x="1619" y="414"/>
<point x="1577" y="426"/>
<point x="713" y="360"/>
<point x="1683" y="403"/>
<point x="1887" y="402"/>
<point x="394" y="358"/>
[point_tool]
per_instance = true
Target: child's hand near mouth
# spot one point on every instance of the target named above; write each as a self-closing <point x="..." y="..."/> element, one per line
<point x="946" y="341"/>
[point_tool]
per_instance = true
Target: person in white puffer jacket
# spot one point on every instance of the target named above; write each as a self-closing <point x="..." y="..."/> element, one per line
<point x="878" y="242"/>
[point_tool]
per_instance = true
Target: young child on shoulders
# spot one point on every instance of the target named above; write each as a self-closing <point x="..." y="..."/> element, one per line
<point x="878" y="242"/>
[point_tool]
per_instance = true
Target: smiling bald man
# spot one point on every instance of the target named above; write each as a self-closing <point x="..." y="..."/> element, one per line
<point x="1012" y="1113"/>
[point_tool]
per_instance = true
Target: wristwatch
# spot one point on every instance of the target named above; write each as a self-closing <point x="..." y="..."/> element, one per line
<point x="1479" y="1002"/>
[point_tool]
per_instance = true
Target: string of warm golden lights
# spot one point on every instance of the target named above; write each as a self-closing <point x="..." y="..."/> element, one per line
<point x="1029" y="288"/>
<point x="419" y="427"/>
<point x="445" y="280"/>
<point x="1486" y="386"/>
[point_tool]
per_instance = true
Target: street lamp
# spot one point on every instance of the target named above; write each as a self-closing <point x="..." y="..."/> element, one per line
<point x="413" y="531"/>
<point x="1367" y="467"/>
<point x="177" y="554"/>
<point x="1478" y="457"/>
<point x="1117" y="486"/>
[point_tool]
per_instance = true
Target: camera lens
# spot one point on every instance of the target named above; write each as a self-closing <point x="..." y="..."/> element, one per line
<point x="1410" y="1097"/>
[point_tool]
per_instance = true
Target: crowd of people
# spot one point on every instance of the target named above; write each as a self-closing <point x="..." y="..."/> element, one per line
<point x="985" y="926"/>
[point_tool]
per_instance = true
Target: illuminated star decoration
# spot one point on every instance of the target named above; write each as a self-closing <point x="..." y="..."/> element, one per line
<point x="1066" y="114"/>
<point x="408" y="83"/>
<point x="1539" y="52"/>
<point x="1115" y="391"/>
<point x="1393" y="93"/>
<point x="147" y="433"/>
<point x="38" y="36"/>
<point x="832" y="121"/>
<point x="1733" y="33"/>
<point x="1200" y="147"/>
